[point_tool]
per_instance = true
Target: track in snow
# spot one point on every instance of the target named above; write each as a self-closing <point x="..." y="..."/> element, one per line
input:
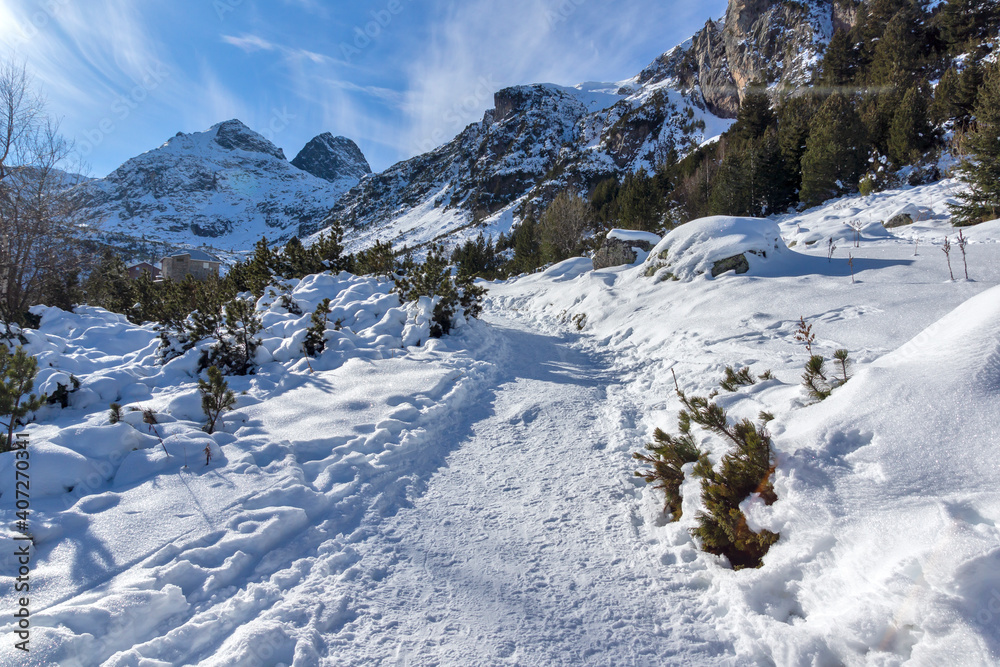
<point x="526" y="547"/>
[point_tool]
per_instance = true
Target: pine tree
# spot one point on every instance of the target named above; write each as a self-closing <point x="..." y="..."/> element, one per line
<point x="981" y="172"/>
<point x="898" y="56"/>
<point x="17" y="379"/>
<point x="945" y="105"/>
<point x="604" y="200"/>
<point x="527" y="249"/>
<point x="755" y="115"/>
<point x="667" y="457"/>
<point x="216" y="397"/>
<point x="870" y="24"/>
<point x="315" y="341"/>
<point x="638" y="202"/>
<point x="970" y="82"/>
<point x="835" y="151"/>
<point x="261" y="267"/>
<point x="242" y="326"/>
<point x="794" y="119"/>
<point x="378" y="260"/>
<point x="966" y="24"/>
<point x="108" y="284"/>
<point x="297" y="262"/>
<point x="748" y="469"/>
<point x="910" y="134"/>
<point x="840" y="62"/>
<point x="452" y="295"/>
<point x="329" y="248"/>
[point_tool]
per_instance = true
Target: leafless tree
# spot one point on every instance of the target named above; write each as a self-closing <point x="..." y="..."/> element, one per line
<point x="564" y="226"/>
<point x="39" y="249"/>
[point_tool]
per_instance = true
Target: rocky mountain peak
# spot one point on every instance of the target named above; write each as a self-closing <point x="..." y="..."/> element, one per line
<point x="333" y="159"/>
<point x="234" y="135"/>
<point x="772" y="41"/>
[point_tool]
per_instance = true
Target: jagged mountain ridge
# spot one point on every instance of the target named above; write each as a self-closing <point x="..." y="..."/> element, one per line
<point x="226" y="187"/>
<point x="541" y="138"/>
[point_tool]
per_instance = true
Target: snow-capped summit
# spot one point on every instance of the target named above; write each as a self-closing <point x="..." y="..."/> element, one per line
<point x="333" y="159"/>
<point x="228" y="184"/>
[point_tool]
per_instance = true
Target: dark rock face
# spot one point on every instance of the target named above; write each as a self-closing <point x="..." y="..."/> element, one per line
<point x="737" y="263"/>
<point x="615" y="252"/>
<point x="771" y="41"/>
<point x="333" y="159"/>
<point x="900" y="220"/>
<point x="234" y="135"/>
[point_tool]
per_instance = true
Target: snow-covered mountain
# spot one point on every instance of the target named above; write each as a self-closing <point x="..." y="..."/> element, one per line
<point x="225" y="187"/>
<point x="539" y="139"/>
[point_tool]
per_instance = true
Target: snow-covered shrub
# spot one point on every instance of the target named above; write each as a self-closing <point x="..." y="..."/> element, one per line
<point x="315" y="341"/>
<point x="722" y="527"/>
<point x="668" y="456"/>
<point x="453" y="296"/>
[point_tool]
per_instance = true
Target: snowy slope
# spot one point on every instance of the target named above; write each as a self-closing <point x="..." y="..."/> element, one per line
<point x="225" y="187"/>
<point x="471" y="500"/>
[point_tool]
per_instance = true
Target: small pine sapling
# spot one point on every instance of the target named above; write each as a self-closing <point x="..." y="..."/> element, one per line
<point x="947" y="253"/>
<point x="216" y="397"/>
<point x="767" y="375"/>
<point x="962" y="243"/>
<point x="115" y="414"/>
<point x="843" y="356"/>
<point x="315" y="341"/>
<point x="736" y="379"/>
<point x="814" y="378"/>
<point x="17" y="379"/>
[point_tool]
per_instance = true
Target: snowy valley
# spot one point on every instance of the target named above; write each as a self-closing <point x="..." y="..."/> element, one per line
<point x="471" y="500"/>
<point x="699" y="367"/>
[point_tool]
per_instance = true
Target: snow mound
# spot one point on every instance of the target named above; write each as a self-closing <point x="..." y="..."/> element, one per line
<point x="889" y="477"/>
<point x="693" y="249"/>
<point x="633" y="236"/>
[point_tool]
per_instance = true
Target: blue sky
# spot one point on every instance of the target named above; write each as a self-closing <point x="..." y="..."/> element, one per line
<point x="397" y="76"/>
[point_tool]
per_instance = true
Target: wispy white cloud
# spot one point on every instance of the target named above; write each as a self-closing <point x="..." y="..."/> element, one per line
<point x="251" y="43"/>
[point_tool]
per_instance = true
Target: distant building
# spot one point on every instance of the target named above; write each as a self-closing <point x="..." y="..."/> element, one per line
<point x="197" y="263"/>
<point x="136" y="270"/>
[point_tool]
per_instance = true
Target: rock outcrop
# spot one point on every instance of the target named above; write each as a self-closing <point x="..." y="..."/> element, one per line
<point x="333" y="159"/>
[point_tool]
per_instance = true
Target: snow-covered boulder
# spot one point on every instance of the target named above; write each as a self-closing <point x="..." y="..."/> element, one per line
<point x="715" y="245"/>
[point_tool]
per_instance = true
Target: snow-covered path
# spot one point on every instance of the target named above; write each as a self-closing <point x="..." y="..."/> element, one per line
<point x="525" y="548"/>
